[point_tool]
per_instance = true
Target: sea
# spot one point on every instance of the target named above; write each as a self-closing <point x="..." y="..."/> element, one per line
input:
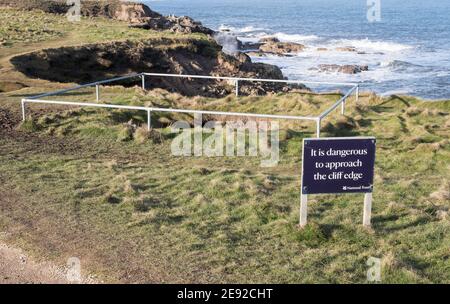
<point x="405" y="43"/>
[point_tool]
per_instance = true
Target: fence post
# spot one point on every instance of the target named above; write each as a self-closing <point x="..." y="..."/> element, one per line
<point x="237" y="88"/>
<point x="149" y="120"/>
<point x="23" y="110"/>
<point x="143" y="81"/>
<point x="367" y="209"/>
<point x="97" y="92"/>
<point x="303" y="210"/>
<point x="318" y="121"/>
<point x="343" y="107"/>
<point x="357" y="93"/>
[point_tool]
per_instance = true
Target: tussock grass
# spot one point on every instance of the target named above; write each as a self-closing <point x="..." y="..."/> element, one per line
<point x="443" y="193"/>
<point x="29" y="125"/>
<point x="125" y="133"/>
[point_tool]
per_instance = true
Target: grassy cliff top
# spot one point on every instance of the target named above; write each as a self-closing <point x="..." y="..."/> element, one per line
<point x="24" y="31"/>
<point x="20" y="28"/>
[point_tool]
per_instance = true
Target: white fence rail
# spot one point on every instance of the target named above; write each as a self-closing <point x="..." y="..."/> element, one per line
<point x="317" y="119"/>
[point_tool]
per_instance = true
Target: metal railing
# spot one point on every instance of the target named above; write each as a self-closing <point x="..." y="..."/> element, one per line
<point x="318" y="119"/>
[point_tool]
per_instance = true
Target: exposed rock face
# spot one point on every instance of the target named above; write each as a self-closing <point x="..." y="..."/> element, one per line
<point x="184" y="24"/>
<point x="124" y="11"/>
<point x="89" y="63"/>
<point x="242" y="57"/>
<point x="346" y="69"/>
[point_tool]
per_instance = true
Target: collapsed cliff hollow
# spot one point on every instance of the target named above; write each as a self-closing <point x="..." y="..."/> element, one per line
<point x="89" y="63"/>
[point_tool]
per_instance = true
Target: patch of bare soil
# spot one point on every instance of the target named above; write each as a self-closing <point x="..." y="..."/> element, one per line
<point x="29" y="141"/>
<point x="7" y="120"/>
<point x="18" y="268"/>
<point x="50" y="236"/>
<point x="13" y="140"/>
<point x="9" y="86"/>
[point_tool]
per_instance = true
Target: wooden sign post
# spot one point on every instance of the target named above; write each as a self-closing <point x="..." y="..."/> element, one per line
<point x="338" y="165"/>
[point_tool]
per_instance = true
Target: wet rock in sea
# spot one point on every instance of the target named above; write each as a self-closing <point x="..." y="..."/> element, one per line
<point x="281" y="48"/>
<point x="346" y="69"/>
<point x="255" y="54"/>
<point x="248" y="46"/>
<point x="269" y="40"/>
<point x="346" y="49"/>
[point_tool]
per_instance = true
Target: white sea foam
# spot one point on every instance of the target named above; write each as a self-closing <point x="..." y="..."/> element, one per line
<point x="398" y="55"/>
<point x="295" y="37"/>
<point x="392" y="65"/>
<point x="242" y="30"/>
<point x="251" y="33"/>
<point x="371" y="46"/>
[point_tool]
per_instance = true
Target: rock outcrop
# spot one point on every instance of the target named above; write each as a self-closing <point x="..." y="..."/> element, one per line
<point x="273" y="46"/>
<point x="183" y="24"/>
<point x="127" y="11"/>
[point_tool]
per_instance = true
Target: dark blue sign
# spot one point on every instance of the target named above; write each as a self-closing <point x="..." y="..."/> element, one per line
<point x="338" y="165"/>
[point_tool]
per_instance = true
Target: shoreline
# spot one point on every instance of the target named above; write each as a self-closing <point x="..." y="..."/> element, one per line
<point x="413" y="67"/>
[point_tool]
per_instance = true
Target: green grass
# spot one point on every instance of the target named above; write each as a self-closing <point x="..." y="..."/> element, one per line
<point x="18" y="27"/>
<point x="132" y="212"/>
<point x="97" y="185"/>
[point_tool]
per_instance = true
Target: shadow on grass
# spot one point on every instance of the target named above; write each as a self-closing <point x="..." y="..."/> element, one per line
<point x="382" y="109"/>
<point x="416" y="263"/>
<point x="328" y="229"/>
<point x="335" y="132"/>
<point x="56" y="96"/>
<point x="396" y="97"/>
<point x="380" y="225"/>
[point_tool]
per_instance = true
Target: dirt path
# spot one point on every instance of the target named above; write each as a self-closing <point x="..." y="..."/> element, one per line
<point x="16" y="267"/>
